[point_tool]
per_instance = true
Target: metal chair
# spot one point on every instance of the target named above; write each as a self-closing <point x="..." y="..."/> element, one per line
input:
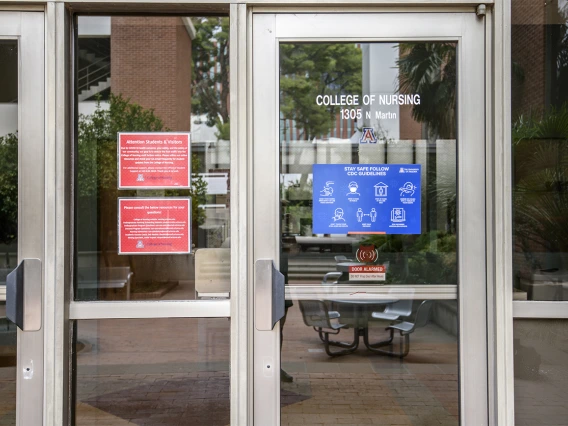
<point x="333" y="276"/>
<point x="405" y="328"/>
<point x="400" y="308"/>
<point x="316" y="314"/>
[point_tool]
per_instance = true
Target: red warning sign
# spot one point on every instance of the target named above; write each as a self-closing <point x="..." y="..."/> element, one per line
<point x="367" y="273"/>
<point x="154" y="160"/>
<point x="154" y="225"/>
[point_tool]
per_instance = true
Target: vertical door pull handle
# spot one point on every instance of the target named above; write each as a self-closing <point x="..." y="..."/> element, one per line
<point x="24" y="295"/>
<point x="268" y="295"/>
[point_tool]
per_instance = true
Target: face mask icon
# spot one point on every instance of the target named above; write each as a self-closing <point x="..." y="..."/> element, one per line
<point x="353" y="187"/>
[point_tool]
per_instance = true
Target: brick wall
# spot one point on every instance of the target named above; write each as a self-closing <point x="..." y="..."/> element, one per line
<point x="151" y="65"/>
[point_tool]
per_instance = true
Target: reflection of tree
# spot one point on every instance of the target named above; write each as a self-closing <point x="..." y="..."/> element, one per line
<point x="210" y="51"/>
<point x="429" y="258"/>
<point x="312" y="69"/>
<point x="429" y="69"/>
<point x="540" y="178"/>
<point x="296" y="207"/>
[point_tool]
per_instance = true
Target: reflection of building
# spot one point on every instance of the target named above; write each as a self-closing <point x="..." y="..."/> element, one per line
<point x="154" y="72"/>
<point x="379" y="77"/>
<point x="122" y="55"/>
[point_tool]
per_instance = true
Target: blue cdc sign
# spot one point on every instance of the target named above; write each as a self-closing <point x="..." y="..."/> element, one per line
<point x="366" y="198"/>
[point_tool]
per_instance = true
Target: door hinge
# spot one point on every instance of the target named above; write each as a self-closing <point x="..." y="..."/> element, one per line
<point x="481" y="9"/>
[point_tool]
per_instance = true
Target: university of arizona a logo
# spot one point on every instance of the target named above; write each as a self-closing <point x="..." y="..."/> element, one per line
<point x="368" y="135"/>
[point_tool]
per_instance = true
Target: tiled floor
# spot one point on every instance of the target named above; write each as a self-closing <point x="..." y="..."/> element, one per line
<point x="366" y="388"/>
<point x="175" y="372"/>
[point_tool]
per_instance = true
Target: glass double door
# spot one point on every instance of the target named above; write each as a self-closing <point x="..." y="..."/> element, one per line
<point x="21" y="210"/>
<point x="369" y="196"/>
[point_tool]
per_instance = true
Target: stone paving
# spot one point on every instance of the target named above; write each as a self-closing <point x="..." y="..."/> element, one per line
<point x="176" y="372"/>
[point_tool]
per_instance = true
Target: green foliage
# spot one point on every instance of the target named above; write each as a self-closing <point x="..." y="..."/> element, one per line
<point x="97" y="133"/>
<point x="540" y="178"/>
<point x="312" y="69"/>
<point x="97" y="149"/>
<point x="210" y="55"/>
<point x="223" y="130"/>
<point x="435" y="241"/>
<point x="429" y="69"/>
<point x="429" y="258"/>
<point x="297" y="207"/>
<point x="8" y="188"/>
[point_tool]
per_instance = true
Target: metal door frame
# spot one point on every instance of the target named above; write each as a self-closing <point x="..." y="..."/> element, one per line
<point x="470" y="32"/>
<point x="28" y="29"/>
<point x="58" y="207"/>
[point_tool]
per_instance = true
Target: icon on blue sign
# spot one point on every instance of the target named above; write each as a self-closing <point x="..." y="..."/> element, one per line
<point x="407" y="189"/>
<point x="327" y="190"/>
<point x="371" y="215"/>
<point x="338" y="215"/>
<point x="398" y="215"/>
<point x="381" y="189"/>
<point x="353" y="188"/>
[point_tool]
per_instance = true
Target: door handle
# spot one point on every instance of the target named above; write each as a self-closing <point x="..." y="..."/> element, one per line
<point x="269" y="295"/>
<point x="24" y="295"/>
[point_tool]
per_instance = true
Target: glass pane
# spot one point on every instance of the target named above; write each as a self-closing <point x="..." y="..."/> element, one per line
<point x="154" y="80"/>
<point x="368" y="161"/>
<point x="8" y="220"/>
<point x="146" y="372"/>
<point x="541" y="372"/>
<point x="540" y="150"/>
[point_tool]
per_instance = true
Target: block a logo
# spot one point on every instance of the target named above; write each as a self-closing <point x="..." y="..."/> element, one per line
<point x="368" y="135"/>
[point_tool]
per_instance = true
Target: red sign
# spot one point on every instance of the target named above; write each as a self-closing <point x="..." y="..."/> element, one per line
<point x="367" y="273"/>
<point x="154" y="225"/>
<point x="368" y="269"/>
<point x="154" y="160"/>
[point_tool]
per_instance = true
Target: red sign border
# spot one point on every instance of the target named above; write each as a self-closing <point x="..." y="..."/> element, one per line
<point x="189" y="226"/>
<point x="118" y="165"/>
